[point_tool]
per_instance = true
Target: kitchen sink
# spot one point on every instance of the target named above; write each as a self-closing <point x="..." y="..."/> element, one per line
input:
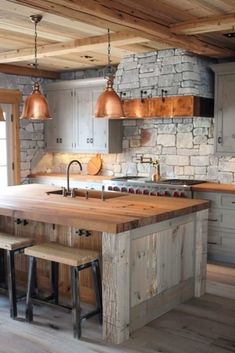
<point x="86" y="193"/>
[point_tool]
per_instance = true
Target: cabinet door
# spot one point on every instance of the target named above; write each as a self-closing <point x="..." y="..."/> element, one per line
<point x="50" y="126"/>
<point x="225" y="114"/>
<point x="83" y="114"/>
<point x="60" y="134"/>
<point x="91" y="132"/>
<point x="99" y="126"/>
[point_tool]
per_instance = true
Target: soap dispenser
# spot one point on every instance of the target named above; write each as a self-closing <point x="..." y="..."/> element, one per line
<point x="155" y="171"/>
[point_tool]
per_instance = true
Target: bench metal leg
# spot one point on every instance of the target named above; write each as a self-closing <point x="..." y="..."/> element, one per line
<point x="76" y="310"/>
<point x="54" y="281"/>
<point x="98" y="288"/>
<point x="11" y="283"/>
<point x="31" y="289"/>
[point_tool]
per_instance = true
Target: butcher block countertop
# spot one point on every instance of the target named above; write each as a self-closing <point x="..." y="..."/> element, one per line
<point x="120" y="213"/>
<point x="214" y="187"/>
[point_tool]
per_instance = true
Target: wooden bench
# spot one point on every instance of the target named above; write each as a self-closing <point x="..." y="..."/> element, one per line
<point x="12" y="245"/>
<point x="78" y="260"/>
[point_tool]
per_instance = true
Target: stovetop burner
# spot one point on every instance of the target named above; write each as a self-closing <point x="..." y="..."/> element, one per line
<point x="134" y="178"/>
<point x="128" y="177"/>
<point x="182" y="181"/>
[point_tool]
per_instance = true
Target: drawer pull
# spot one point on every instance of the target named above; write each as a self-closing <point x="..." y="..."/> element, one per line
<point x="213" y="220"/>
<point x="233" y="201"/>
<point x="211" y="243"/>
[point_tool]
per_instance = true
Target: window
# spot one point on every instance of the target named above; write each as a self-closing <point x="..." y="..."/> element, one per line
<point x="6" y="170"/>
<point x="9" y="138"/>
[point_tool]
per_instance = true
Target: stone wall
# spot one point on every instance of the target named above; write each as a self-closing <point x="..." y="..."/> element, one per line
<point x="184" y="146"/>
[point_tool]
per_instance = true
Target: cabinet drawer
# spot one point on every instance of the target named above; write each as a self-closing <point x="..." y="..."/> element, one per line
<point x="228" y="241"/>
<point x="214" y="237"/>
<point x="228" y="201"/>
<point x="214" y="198"/>
<point x="227" y="218"/>
<point x="213" y="217"/>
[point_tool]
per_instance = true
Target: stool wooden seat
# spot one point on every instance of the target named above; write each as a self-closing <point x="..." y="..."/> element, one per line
<point x="78" y="260"/>
<point x="62" y="254"/>
<point x="12" y="245"/>
<point x="11" y="242"/>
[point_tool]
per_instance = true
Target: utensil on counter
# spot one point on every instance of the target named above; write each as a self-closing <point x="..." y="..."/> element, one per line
<point x="94" y="165"/>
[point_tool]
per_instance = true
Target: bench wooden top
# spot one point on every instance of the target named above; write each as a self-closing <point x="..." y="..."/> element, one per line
<point x="62" y="254"/>
<point x="12" y="242"/>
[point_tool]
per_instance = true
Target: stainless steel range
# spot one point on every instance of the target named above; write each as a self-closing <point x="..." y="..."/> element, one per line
<point x="144" y="186"/>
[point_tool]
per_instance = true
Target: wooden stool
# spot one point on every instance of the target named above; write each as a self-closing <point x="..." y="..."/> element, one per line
<point x="12" y="245"/>
<point x="78" y="260"/>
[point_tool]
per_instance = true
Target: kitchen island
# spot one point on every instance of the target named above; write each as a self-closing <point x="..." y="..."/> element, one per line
<point x="153" y="249"/>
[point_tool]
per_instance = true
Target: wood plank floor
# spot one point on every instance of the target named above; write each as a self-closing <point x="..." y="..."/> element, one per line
<point x="204" y="325"/>
<point x="221" y="279"/>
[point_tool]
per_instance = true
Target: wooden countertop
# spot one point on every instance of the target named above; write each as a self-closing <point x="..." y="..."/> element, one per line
<point x="214" y="187"/>
<point x="113" y="215"/>
<point x="72" y="176"/>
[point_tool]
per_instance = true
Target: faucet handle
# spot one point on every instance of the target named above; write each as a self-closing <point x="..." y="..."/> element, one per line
<point x="64" y="191"/>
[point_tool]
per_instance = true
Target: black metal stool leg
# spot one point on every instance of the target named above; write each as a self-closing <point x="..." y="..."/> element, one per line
<point x="30" y="290"/>
<point x="2" y="269"/>
<point x="98" y="288"/>
<point x="54" y="281"/>
<point x="76" y="310"/>
<point x="11" y="283"/>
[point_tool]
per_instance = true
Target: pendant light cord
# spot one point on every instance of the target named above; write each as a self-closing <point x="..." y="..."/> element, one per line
<point x="109" y="51"/>
<point x="109" y="67"/>
<point x="35" y="19"/>
<point x="35" y="46"/>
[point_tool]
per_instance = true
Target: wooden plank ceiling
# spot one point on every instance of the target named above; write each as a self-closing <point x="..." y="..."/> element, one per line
<point x="73" y="33"/>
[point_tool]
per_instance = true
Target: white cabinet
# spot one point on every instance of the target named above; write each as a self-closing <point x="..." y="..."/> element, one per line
<point x="59" y="130"/>
<point x="221" y="226"/>
<point x="224" y="108"/>
<point x="74" y="128"/>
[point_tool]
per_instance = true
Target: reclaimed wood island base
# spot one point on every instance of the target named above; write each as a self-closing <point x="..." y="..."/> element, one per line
<point x="153" y="249"/>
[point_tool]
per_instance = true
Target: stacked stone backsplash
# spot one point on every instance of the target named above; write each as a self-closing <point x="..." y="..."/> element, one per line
<point x="184" y="146"/>
<point x="31" y="134"/>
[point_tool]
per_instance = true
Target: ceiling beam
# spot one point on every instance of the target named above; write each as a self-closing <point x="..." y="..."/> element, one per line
<point x="205" y="25"/>
<point x="28" y="71"/>
<point x="116" y="16"/>
<point x="74" y="46"/>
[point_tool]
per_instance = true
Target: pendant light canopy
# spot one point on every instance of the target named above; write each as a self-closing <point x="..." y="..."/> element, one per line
<point x="109" y="104"/>
<point x="36" y="106"/>
<point x="1" y="115"/>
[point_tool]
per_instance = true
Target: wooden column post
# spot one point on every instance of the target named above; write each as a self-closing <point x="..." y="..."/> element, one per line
<point x="201" y="226"/>
<point x="116" y="286"/>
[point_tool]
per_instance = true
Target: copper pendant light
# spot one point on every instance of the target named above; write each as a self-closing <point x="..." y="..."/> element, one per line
<point x="109" y="104"/>
<point x="36" y="106"/>
<point x="1" y="115"/>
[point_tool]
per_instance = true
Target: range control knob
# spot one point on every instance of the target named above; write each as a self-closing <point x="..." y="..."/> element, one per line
<point x="138" y="191"/>
<point x="182" y="194"/>
<point x="123" y="189"/>
<point x="159" y="193"/>
<point x="110" y="188"/>
<point x="176" y="194"/>
<point x="116" y="188"/>
<point x="153" y="193"/>
<point x="131" y="191"/>
<point x="167" y="193"/>
<point x="146" y="192"/>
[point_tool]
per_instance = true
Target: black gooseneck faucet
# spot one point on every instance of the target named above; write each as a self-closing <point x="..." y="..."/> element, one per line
<point x="68" y="170"/>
